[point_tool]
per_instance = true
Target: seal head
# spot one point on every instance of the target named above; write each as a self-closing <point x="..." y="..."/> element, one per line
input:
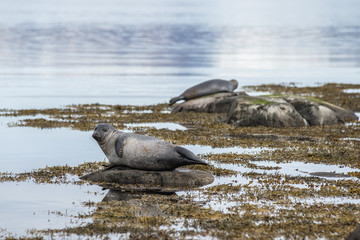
<point x="103" y="132"/>
<point x="234" y="83"/>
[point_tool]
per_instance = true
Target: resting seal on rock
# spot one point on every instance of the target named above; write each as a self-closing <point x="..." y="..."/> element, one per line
<point x="206" y="88"/>
<point x="141" y="152"/>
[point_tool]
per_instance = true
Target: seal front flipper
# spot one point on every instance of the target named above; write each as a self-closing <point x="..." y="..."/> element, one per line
<point x="119" y="146"/>
<point x="113" y="166"/>
<point x="175" y="99"/>
<point x="189" y="157"/>
<point x="108" y="166"/>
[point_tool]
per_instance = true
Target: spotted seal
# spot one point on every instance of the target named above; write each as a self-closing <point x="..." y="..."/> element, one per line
<point x="206" y="88"/>
<point x="141" y="152"/>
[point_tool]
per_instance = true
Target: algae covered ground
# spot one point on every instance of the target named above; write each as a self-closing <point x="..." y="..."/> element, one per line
<point x="288" y="183"/>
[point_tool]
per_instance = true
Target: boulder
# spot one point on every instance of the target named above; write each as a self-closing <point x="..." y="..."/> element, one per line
<point x="315" y="113"/>
<point x="269" y="115"/>
<point x="219" y="103"/>
<point x="271" y="111"/>
<point x="157" y="181"/>
<point x="303" y="103"/>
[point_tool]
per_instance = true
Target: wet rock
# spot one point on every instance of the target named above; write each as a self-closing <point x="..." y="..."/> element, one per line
<point x="269" y="115"/>
<point x="149" y="180"/>
<point x="219" y="102"/>
<point x="271" y="111"/>
<point x="315" y="113"/>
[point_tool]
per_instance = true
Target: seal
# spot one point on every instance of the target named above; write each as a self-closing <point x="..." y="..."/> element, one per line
<point x="206" y="88"/>
<point x="141" y="152"/>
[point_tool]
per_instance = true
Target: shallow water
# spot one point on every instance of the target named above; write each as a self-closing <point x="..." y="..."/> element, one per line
<point x="25" y="149"/>
<point x="27" y="206"/>
<point x="121" y="52"/>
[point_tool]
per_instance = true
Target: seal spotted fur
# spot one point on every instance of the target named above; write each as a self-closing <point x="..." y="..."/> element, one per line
<point x="141" y="152"/>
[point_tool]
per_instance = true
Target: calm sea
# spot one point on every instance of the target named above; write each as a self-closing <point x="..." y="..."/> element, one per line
<point x="59" y="52"/>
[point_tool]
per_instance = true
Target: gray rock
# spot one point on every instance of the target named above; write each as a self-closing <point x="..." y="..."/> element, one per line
<point x="314" y="113"/>
<point x="272" y="111"/>
<point x="269" y="115"/>
<point x="141" y="180"/>
<point x="219" y="103"/>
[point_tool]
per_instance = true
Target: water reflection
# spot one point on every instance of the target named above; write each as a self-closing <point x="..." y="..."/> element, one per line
<point x="117" y="195"/>
<point x="134" y="201"/>
<point x="117" y="47"/>
<point x="26" y="205"/>
<point x="116" y="63"/>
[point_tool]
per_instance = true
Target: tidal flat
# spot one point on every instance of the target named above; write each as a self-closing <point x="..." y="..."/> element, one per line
<point x="285" y="183"/>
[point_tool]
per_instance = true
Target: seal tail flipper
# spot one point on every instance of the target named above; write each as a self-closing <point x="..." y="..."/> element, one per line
<point x="189" y="157"/>
<point x="175" y="99"/>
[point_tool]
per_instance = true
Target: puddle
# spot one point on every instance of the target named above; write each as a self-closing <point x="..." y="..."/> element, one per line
<point x="352" y="90"/>
<point x="27" y="206"/>
<point x="159" y="125"/>
<point x="259" y="93"/>
<point x="304" y="169"/>
<point x="137" y="111"/>
<point x="350" y="139"/>
<point x="201" y="149"/>
<point x="292" y="169"/>
<point x="166" y="111"/>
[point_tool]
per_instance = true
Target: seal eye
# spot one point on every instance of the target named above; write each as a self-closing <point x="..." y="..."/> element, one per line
<point x="104" y="130"/>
